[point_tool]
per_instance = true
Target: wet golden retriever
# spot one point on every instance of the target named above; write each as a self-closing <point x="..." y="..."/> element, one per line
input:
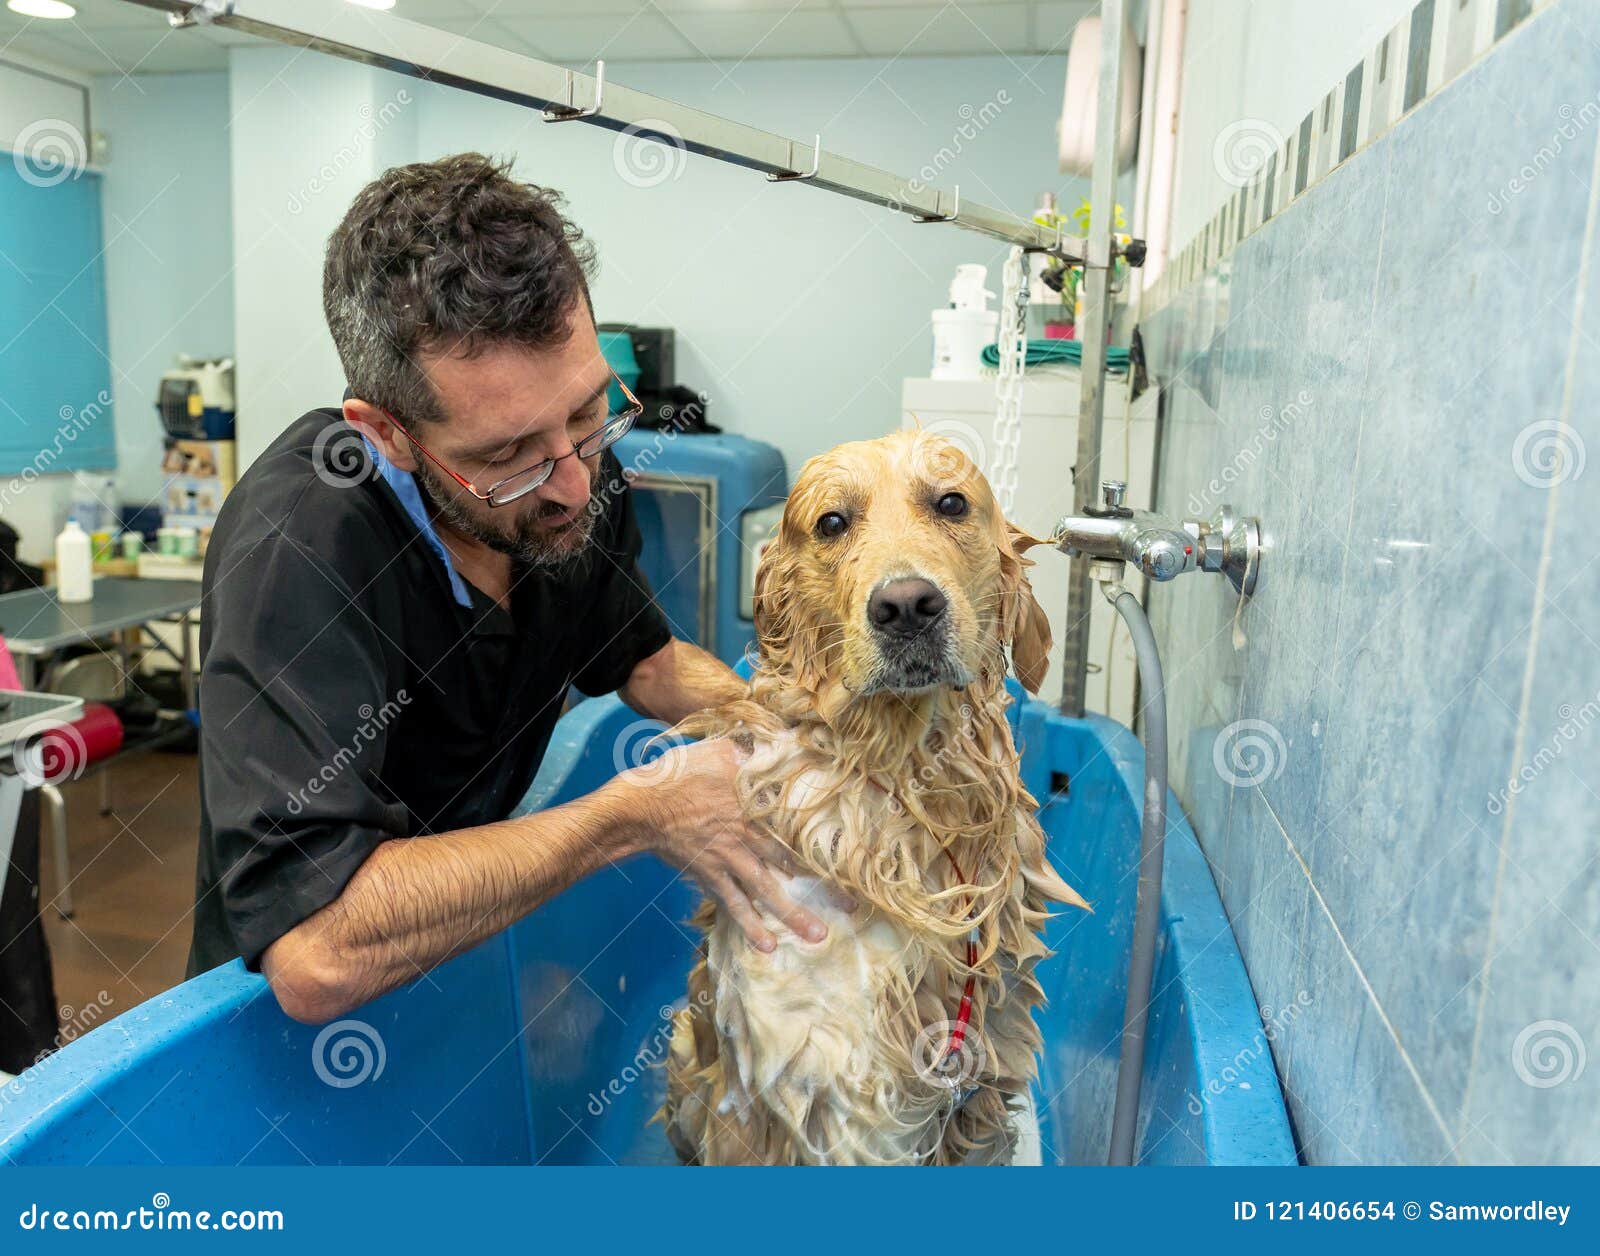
<point x="878" y="752"/>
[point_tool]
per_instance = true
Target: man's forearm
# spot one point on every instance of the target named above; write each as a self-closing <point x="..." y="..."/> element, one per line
<point x="679" y="679"/>
<point x="417" y="902"/>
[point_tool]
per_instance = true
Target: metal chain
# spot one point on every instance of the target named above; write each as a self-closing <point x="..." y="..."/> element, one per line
<point x="1013" y="350"/>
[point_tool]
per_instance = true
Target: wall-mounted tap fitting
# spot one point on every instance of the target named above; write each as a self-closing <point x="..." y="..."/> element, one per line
<point x="1161" y="547"/>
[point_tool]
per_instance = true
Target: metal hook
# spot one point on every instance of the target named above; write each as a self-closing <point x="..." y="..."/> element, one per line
<point x="791" y="175"/>
<point x="950" y="217"/>
<point x="569" y="111"/>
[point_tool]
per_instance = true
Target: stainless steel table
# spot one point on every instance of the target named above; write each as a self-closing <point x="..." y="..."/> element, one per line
<point x="24" y="718"/>
<point x="35" y="624"/>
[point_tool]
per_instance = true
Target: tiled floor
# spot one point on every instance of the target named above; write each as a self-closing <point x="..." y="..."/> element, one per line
<point x="132" y="886"/>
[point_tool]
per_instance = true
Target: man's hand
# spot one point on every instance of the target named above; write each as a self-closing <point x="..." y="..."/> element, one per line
<point x="417" y="902"/>
<point x="688" y="811"/>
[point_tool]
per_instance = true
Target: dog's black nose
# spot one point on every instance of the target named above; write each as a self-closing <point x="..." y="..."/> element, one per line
<point x="905" y="607"/>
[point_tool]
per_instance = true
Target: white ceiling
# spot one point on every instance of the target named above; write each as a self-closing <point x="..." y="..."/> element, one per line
<point x="114" y="36"/>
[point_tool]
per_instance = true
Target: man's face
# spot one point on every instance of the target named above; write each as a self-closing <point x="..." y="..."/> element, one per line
<point x="506" y="408"/>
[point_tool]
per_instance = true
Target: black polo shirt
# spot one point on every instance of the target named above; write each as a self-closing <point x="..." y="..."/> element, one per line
<point x="354" y="689"/>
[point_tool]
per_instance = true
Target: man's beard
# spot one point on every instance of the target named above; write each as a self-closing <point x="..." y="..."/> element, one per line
<point x="529" y="540"/>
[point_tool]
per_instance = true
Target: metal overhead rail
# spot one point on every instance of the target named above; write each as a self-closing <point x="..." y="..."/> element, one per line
<point x="377" y="38"/>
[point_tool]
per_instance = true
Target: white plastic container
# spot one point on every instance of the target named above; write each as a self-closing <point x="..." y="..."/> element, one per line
<point x="94" y="502"/>
<point x="961" y="331"/>
<point x="959" y="337"/>
<point x="74" y="565"/>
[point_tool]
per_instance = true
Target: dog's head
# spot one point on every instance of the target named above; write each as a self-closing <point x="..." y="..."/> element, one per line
<point x="894" y="571"/>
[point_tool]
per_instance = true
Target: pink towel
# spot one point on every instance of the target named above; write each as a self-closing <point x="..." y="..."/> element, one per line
<point x="8" y="669"/>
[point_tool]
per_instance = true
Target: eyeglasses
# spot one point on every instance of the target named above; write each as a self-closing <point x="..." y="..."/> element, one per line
<point x="519" y="484"/>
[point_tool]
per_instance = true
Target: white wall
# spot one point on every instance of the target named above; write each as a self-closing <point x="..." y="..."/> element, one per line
<point x="32" y="91"/>
<point x="797" y="310"/>
<point x="306" y="133"/>
<point x="169" y="254"/>
<point x="1263" y="66"/>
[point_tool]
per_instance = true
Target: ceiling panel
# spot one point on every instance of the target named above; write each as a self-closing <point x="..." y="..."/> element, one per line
<point x="615" y="37"/>
<point x="774" y="33"/>
<point x="939" y="30"/>
<point x="485" y="30"/>
<point x="113" y="35"/>
<point x="431" y="11"/>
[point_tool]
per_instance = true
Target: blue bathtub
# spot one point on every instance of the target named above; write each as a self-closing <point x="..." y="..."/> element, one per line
<point x="537" y="1047"/>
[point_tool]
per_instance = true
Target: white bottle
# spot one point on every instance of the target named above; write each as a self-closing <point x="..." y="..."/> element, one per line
<point x="74" y="565"/>
<point x="962" y="330"/>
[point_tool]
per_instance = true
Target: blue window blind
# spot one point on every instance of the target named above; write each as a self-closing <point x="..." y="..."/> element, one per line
<point x="55" y="377"/>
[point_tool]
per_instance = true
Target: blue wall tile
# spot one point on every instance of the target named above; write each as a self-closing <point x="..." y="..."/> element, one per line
<point x="1379" y="372"/>
<point x="1540" y="1019"/>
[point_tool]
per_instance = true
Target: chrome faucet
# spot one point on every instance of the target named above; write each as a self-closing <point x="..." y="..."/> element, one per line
<point x="1160" y="547"/>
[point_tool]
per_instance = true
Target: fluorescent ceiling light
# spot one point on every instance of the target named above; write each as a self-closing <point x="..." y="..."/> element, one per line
<point x="374" y="4"/>
<point x="57" y="9"/>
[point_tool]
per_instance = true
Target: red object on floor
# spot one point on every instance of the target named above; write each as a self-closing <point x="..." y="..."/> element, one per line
<point x="8" y="669"/>
<point x="63" y="753"/>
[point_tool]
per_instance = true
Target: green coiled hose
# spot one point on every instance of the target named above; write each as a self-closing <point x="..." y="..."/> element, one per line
<point x="1068" y="352"/>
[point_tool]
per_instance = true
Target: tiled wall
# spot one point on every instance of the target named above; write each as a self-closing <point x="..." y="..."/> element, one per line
<point x="1400" y="372"/>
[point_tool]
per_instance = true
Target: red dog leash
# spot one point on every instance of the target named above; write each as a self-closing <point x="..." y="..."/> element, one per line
<point x="958" y="1035"/>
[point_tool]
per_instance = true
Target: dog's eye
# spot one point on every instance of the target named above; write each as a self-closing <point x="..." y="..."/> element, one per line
<point x="951" y="505"/>
<point x="832" y="524"/>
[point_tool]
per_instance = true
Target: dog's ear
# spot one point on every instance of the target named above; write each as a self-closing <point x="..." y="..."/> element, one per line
<point x="1023" y="623"/>
<point x="773" y="602"/>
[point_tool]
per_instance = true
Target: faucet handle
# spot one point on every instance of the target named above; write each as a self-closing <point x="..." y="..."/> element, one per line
<point x="1113" y="492"/>
<point x="1163" y="554"/>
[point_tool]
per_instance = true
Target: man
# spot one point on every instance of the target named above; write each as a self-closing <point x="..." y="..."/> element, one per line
<point x="398" y="597"/>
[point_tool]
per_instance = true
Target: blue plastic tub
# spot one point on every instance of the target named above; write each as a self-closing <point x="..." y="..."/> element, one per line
<point x="538" y="1046"/>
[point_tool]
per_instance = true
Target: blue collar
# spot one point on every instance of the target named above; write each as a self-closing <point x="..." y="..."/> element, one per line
<point x="405" y="488"/>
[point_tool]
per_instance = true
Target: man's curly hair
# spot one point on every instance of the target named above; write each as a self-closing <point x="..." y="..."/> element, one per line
<point x="447" y="256"/>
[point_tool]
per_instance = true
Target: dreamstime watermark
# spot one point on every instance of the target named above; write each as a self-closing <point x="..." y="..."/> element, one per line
<point x="46" y="751"/>
<point x="648" y="153"/>
<point x="1548" y="1053"/>
<point x="373" y="722"/>
<point x="1242" y="150"/>
<point x="1249" y="752"/>
<point x="927" y="776"/>
<point x="49" y="151"/>
<point x="1574" y="721"/>
<point x="934" y="1060"/>
<point x="74" y="1023"/>
<point x="1273" y="424"/>
<point x="341" y="457"/>
<point x="75" y="421"/>
<point x="652" y="1053"/>
<point x="636" y="750"/>
<point x="159" y="1215"/>
<point x="373" y="122"/>
<point x="1273" y="1026"/>
<point x="940" y="458"/>
<point x="1548" y="452"/>
<point x="675" y="420"/>
<point x="1574" y="120"/>
<point x="972" y="121"/>
<point x="348" y="1053"/>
